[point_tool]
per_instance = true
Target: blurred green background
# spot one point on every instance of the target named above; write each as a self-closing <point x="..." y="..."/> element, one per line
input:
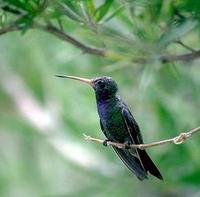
<point x="43" y="118"/>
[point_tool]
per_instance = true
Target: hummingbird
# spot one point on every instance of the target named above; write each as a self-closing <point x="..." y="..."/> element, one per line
<point x="119" y="125"/>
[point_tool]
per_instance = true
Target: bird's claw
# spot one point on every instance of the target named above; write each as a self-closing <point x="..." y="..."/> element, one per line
<point x="127" y="145"/>
<point x="105" y="142"/>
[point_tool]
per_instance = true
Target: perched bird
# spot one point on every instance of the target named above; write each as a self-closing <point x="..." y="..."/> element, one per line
<point x="119" y="125"/>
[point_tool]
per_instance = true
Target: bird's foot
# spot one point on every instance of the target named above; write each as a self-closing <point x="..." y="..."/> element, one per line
<point x="105" y="142"/>
<point x="127" y="145"/>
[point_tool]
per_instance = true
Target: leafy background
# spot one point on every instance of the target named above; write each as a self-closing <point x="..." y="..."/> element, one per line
<point x="42" y="118"/>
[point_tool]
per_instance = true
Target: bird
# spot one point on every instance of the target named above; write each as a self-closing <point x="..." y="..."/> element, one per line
<point x="119" y="125"/>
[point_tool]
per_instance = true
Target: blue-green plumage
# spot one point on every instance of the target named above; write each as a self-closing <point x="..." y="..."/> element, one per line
<point x="119" y="125"/>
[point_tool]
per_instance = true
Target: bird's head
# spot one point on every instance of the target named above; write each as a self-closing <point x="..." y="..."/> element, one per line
<point x="104" y="87"/>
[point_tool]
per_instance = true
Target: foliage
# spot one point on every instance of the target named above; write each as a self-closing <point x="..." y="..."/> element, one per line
<point x="42" y="119"/>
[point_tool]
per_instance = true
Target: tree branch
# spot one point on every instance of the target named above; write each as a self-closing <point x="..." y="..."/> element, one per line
<point x="175" y="140"/>
<point x="113" y="55"/>
<point x="8" y="29"/>
<point x="68" y="38"/>
<point x="184" y="45"/>
<point x="184" y="57"/>
<point x="103" y="52"/>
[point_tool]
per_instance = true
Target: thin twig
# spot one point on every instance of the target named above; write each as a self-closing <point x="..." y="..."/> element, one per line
<point x="184" y="57"/>
<point x="185" y="46"/>
<point x="8" y="29"/>
<point x="68" y="38"/>
<point x="175" y="140"/>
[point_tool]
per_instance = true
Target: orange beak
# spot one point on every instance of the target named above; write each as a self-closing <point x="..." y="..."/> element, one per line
<point x="88" y="81"/>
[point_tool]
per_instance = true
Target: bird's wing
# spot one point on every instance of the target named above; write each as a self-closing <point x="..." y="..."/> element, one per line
<point x="136" y="138"/>
<point x="132" y="126"/>
<point x="103" y="128"/>
<point x="131" y="161"/>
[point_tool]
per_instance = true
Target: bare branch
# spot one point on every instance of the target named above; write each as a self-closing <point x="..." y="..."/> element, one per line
<point x="8" y="29"/>
<point x="175" y="140"/>
<point x="68" y="38"/>
<point x="184" y="45"/>
<point x="184" y="57"/>
<point x="103" y="52"/>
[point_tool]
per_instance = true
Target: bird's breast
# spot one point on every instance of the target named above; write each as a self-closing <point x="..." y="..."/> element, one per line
<point x="112" y="121"/>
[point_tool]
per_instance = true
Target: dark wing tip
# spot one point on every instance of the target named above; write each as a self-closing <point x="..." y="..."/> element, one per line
<point x="159" y="176"/>
<point x="132" y="163"/>
<point x="149" y="165"/>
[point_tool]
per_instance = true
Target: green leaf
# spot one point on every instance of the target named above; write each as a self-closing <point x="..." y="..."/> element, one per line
<point x="71" y="12"/>
<point x="116" y="12"/>
<point x="103" y="9"/>
<point x="25" y="23"/>
<point x="2" y="19"/>
<point x="32" y="7"/>
<point x="91" y="7"/>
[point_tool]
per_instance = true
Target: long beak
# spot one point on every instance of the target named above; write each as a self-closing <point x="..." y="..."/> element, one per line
<point x="88" y="81"/>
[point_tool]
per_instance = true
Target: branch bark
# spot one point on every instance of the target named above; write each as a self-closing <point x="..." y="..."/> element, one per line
<point x="185" y="46"/>
<point x="175" y="140"/>
<point x="68" y="38"/>
<point x="8" y="29"/>
<point x="187" y="57"/>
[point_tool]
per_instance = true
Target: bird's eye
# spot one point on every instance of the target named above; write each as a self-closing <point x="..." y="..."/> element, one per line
<point x="101" y="84"/>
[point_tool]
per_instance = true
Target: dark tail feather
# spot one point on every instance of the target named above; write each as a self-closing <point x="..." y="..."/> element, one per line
<point x="148" y="164"/>
<point x="132" y="162"/>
